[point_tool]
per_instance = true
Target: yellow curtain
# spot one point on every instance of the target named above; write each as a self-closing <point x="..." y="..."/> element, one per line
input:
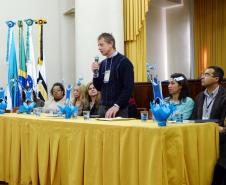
<point x="209" y="34"/>
<point x="135" y="35"/>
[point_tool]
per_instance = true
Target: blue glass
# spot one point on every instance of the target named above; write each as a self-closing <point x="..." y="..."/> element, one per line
<point x="179" y="117"/>
<point x="75" y="114"/>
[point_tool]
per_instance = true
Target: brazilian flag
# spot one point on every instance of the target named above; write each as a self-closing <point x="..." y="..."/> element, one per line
<point x="22" y="57"/>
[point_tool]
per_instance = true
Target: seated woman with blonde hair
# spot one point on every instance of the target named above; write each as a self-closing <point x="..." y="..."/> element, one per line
<point x="79" y="98"/>
<point x="93" y="99"/>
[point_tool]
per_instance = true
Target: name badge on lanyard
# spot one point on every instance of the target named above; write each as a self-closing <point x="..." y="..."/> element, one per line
<point x="206" y="109"/>
<point x="107" y="76"/>
<point x="107" y="72"/>
<point x="206" y="115"/>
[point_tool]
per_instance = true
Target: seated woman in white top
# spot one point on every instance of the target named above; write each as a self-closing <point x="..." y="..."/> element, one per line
<point x="57" y="93"/>
<point x="179" y="96"/>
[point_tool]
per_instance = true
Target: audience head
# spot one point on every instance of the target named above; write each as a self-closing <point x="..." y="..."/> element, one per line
<point x="57" y="91"/>
<point x="78" y="91"/>
<point x="79" y="94"/>
<point x="106" y="43"/>
<point x="213" y="75"/>
<point x="178" y="85"/>
<point x="92" y="92"/>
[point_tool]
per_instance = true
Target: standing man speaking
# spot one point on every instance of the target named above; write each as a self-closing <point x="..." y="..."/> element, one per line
<point x="114" y="78"/>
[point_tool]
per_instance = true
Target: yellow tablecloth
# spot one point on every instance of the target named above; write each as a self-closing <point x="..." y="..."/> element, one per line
<point x="55" y="151"/>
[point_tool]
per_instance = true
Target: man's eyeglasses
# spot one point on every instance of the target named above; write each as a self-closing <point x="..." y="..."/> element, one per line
<point x="206" y="75"/>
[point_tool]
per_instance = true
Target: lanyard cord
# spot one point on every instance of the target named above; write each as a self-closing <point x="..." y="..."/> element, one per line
<point x="107" y="63"/>
<point x="208" y="105"/>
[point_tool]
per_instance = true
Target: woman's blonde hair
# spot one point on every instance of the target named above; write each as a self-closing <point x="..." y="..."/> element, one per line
<point x="82" y="96"/>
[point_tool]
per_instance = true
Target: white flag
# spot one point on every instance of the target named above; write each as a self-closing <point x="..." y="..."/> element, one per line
<point x="31" y="67"/>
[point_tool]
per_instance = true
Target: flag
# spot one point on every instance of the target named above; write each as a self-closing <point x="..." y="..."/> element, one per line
<point x="13" y="98"/>
<point x="22" y="58"/>
<point x="41" y="75"/>
<point x="30" y="59"/>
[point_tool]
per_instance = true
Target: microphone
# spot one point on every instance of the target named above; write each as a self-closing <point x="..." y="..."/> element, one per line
<point x="96" y="71"/>
<point x="96" y="59"/>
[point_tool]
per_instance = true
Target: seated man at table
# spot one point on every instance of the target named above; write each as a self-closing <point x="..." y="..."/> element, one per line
<point x="211" y="104"/>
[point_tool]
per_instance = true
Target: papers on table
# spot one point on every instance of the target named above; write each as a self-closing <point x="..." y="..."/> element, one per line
<point x="114" y="119"/>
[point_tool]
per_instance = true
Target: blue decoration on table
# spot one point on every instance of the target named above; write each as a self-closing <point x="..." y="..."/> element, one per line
<point x="156" y="84"/>
<point x="29" y="95"/>
<point x="68" y="109"/>
<point x="157" y="88"/>
<point x="3" y="103"/>
<point x="150" y="69"/>
<point x="160" y="110"/>
<point x="68" y="94"/>
<point x="30" y="82"/>
<point x="79" y="81"/>
<point x="28" y="104"/>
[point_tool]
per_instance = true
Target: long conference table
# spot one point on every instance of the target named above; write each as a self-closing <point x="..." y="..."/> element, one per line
<point x="55" y="151"/>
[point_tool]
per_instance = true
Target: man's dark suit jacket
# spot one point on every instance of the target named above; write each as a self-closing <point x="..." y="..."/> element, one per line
<point x="218" y="112"/>
<point x="218" y="109"/>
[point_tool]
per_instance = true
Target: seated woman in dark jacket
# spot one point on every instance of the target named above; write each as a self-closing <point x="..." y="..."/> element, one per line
<point x="93" y="97"/>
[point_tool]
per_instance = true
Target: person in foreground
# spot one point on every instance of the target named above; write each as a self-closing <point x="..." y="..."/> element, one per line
<point x="179" y="96"/>
<point x="211" y="104"/>
<point x="114" y="78"/>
